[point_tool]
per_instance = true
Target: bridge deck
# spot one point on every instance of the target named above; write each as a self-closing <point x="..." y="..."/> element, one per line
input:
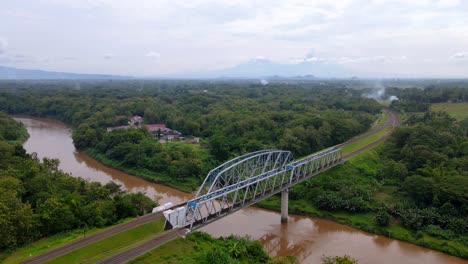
<point x="248" y="202"/>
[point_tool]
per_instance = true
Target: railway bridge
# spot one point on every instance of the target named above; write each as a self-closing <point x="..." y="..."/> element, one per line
<point x="234" y="185"/>
<point x="246" y="180"/>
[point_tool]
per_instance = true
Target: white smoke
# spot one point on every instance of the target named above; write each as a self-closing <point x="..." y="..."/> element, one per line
<point x="264" y="82"/>
<point x="378" y="93"/>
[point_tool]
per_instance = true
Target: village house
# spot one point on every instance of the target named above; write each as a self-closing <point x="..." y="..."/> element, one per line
<point x="159" y="131"/>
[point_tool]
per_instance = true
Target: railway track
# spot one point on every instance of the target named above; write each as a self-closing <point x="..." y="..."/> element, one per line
<point x="392" y="121"/>
<point x="128" y="254"/>
<point x="67" y="248"/>
<point x="124" y="256"/>
<point x="41" y="258"/>
<point x="131" y="253"/>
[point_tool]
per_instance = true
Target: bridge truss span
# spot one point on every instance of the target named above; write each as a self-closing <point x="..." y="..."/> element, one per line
<point x="243" y="167"/>
<point x="250" y="178"/>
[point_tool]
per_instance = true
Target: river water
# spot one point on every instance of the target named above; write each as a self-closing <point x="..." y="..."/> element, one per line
<point x="304" y="237"/>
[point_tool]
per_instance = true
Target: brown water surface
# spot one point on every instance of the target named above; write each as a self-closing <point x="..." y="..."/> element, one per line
<point x="52" y="139"/>
<point x="304" y="237"/>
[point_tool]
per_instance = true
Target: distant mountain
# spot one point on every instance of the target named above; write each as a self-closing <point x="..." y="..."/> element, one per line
<point x="263" y="68"/>
<point x="255" y="68"/>
<point x="10" y="73"/>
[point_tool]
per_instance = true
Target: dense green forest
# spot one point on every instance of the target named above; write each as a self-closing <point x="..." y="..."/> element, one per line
<point x="419" y="100"/>
<point x="231" y="118"/>
<point x="413" y="187"/>
<point x="39" y="200"/>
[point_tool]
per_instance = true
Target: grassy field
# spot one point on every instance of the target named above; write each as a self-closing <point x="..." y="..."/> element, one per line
<point x="172" y="252"/>
<point x="382" y="119"/>
<point x="49" y="243"/>
<point x="366" y="141"/>
<point x="458" y="111"/>
<point x="111" y="245"/>
<point x="371" y="139"/>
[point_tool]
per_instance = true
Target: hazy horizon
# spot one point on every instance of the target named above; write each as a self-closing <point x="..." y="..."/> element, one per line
<point x="421" y="38"/>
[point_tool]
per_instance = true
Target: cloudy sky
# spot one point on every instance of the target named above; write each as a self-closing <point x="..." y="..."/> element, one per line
<point x="412" y="38"/>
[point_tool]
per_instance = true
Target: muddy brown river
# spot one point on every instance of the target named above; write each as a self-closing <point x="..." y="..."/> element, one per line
<point x="306" y="238"/>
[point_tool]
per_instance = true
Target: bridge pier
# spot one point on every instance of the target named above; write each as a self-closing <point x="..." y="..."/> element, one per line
<point x="284" y="205"/>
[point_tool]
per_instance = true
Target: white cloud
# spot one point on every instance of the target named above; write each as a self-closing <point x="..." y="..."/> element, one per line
<point x="448" y="3"/>
<point x="24" y="14"/>
<point x="460" y="55"/>
<point x="69" y="58"/>
<point x="153" y="55"/>
<point x="109" y="56"/>
<point x="3" y="46"/>
<point x="214" y="34"/>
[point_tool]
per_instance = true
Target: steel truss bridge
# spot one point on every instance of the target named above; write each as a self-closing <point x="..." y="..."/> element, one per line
<point x="246" y="180"/>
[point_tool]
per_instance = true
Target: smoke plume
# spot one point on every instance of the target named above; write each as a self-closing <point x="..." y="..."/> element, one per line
<point x="378" y="93"/>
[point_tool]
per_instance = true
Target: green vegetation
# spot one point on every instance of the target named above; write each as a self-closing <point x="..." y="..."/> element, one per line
<point x="366" y="141"/>
<point x="179" y="170"/>
<point x="201" y="248"/>
<point x="38" y="200"/>
<point x="112" y="245"/>
<point x="12" y="132"/>
<point x="355" y="195"/>
<point x="339" y="260"/>
<point x="413" y="187"/>
<point x="458" y="111"/>
<point x="49" y="243"/>
<point x="419" y="100"/>
<point x="231" y="118"/>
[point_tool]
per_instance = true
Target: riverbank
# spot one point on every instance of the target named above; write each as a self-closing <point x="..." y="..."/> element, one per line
<point x="359" y="169"/>
<point x="188" y="185"/>
<point x="307" y="235"/>
<point x="363" y="162"/>
<point x="15" y="133"/>
<point x="377" y="133"/>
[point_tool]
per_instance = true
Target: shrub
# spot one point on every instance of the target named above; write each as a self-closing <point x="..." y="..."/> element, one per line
<point x="382" y="218"/>
<point x="339" y="260"/>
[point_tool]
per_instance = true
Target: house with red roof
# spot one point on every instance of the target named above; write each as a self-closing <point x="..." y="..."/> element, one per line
<point x="159" y="131"/>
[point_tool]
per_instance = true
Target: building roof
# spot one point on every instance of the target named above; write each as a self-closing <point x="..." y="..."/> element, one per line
<point x="136" y="118"/>
<point x="156" y="127"/>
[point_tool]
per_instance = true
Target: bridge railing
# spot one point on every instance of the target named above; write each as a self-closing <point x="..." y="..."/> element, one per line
<point x="229" y="198"/>
<point x="210" y="178"/>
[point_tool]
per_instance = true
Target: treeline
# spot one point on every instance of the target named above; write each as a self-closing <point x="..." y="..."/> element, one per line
<point x="39" y="200"/>
<point x="232" y="118"/>
<point x="137" y="151"/>
<point x="11" y="131"/>
<point x="417" y="179"/>
<point x="419" y="100"/>
<point x="428" y="162"/>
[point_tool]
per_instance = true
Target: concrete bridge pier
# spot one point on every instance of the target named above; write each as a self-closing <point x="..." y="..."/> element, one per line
<point x="284" y="205"/>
